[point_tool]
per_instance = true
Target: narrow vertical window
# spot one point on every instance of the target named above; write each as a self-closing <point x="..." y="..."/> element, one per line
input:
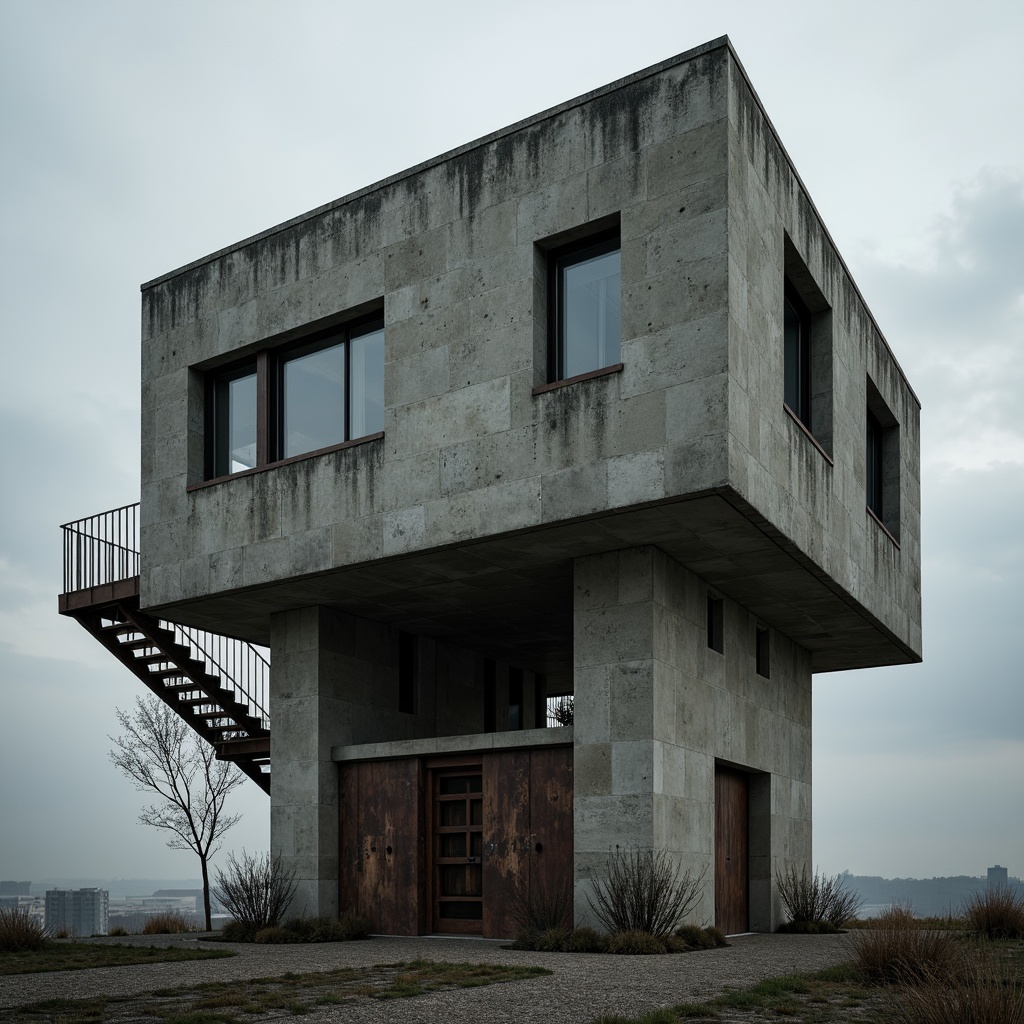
<point x="716" y="624"/>
<point x="366" y="403"/>
<point x="408" y="673"/>
<point x="233" y="425"/>
<point x="540" y="701"/>
<point x="585" y="286"/>
<point x="875" y="492"/>
<point x="490" y="695"/>
<point x="762" y="652"/>
<point x="797" y="357"/>
<point x="515" y="698"/>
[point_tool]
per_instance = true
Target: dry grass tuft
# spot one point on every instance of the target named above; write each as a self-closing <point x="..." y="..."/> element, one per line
<point x="19" y="932"/>
<point x="982" y="991"/>
<point x="897" y="952"/>
<point x="170" y="922"/>
<point x="995" y="913"/>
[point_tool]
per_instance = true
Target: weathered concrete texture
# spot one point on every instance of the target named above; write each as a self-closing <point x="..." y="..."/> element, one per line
<point x="656" y="709"/>
<point x="711" y="217"/>
<point x="334" y="689"/>
<point x="570" y="531"/>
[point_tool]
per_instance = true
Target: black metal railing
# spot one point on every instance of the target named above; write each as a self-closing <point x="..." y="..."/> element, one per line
<point x="101" y="549"/>
<point x="104" y="548"/>
<point x="242" y="666"/>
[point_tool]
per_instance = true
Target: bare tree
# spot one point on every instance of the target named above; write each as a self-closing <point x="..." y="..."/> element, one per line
<point x="161" y="754"/>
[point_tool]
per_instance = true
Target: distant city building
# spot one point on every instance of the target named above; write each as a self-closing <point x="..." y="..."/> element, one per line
<point x="132" y="912"/>
<point x="77" y="911"/>
<point x="997" y="878"/>
<point x="15" y="888"/>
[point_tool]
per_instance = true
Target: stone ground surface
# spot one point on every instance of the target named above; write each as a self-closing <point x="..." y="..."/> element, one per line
<point x="581" y="987"/>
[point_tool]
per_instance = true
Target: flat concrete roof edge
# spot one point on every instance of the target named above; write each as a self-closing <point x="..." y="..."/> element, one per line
<point x="621" y="83"/>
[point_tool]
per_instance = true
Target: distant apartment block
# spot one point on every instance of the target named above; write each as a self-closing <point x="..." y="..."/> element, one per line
<point x="998" y="877"/>
<point x="15" y="888"/>
<point x="77" y="911"/>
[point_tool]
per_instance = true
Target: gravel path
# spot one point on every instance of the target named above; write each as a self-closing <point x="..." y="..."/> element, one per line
<point x="581" y="988"/>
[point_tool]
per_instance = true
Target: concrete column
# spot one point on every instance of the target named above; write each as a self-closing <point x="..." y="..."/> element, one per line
<point x="304" y="786"/>
<point x="631" y="786"/>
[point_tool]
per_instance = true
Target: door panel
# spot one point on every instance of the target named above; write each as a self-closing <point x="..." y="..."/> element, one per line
<point x="732" y="912"/>
<point x="551" y="833"/>
<point x="380" y="867"/>
<point x="506" y="847"/>
<point x="457" y="847"/>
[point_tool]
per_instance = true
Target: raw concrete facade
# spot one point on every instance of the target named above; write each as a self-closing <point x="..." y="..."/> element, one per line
<point x="562" y="535"/>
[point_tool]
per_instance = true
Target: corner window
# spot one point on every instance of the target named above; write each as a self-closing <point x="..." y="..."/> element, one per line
<point x="807" y="351"/>
<point x="882" y="462"/>
<point x="584" y="307"/>
<point x="296" y="400"/>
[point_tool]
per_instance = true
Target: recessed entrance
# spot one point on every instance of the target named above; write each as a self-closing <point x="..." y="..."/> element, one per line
<point x="732" y="851"/>
<point x="457" y="848"/>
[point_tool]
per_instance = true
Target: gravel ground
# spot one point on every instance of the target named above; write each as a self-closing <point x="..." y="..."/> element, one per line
<point x="581" y="988"/>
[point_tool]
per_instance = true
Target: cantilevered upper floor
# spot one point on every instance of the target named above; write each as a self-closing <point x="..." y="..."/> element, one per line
<point x="618" y="322"/>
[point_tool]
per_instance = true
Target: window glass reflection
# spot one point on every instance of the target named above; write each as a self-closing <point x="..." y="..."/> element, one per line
<point x="235" y="423"/>
<point x="590" y="314"/>
<point x="313" y="401"/>
<point x="366" y="414"/>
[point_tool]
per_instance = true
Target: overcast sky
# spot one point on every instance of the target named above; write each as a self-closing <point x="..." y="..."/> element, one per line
<point x="137" y="136"/>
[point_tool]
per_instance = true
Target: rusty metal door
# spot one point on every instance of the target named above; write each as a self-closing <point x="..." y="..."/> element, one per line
<point x="732" y="907"/>
<point x="381" y="846"/>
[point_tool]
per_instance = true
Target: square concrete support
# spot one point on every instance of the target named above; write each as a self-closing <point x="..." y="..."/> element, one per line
<point x="656" y="709"/>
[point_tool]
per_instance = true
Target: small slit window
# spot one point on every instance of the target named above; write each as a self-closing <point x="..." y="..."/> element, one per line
<point x="762" y="652"/>
<point x="716" y="624"/>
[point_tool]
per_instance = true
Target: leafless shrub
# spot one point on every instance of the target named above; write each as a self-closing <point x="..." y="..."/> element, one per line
<point x="644" y="891"/>
<point x="980" y="992"/>
<point x="256" y="890"/>
<point x="18" y="931"/>
<point x="169" y="922"/>
<point x="995" y="913"/>
<point x="560" y="710"/>
<point x="897" y="952"/>
<point x="541" y="906"/>
<point x="815" y="899"/>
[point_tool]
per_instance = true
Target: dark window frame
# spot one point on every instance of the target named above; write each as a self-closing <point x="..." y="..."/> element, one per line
<point x="716" y="624"/>
<point x="799" y="404"/>
<point x="268" y="364"/>
<point x="874" y="466"/>
<point x="882" y="463"/>
<point x="810" y="403"/>
<point x="558" y="261"/>
<point x="763" y="651"/>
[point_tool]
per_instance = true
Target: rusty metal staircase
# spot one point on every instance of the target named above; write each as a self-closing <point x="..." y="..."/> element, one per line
<point x="217" y="684"/>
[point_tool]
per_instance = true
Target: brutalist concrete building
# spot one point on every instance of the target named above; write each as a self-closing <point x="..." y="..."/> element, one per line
<point x="591" y="407"/>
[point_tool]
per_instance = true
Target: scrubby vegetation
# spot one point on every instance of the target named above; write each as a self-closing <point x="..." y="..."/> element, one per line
<point x="634" y="942"/>
<point x="344" y="928"/>
<point x="170" y="922"/>
<point x="256" y="890"/>
<point x="644" y="891"/>
<point x="897" y="952"/>
<point x="996" y="913"/>
<point x="19" y="932"/>
<point x="816" y="904"/>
